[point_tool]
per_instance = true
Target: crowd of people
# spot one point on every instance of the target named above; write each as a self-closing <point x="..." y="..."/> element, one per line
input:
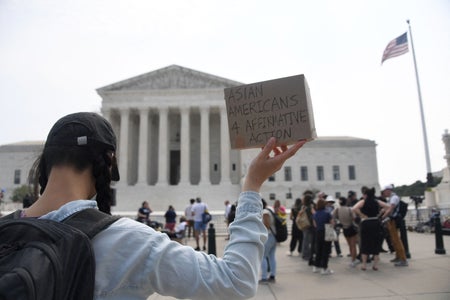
<point x="365" y="224"/>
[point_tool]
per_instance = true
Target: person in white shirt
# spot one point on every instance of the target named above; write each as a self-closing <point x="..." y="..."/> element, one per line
<point x="198" y="209"/>
<point x="393" y="200"/>
<point x="189" y="218"/>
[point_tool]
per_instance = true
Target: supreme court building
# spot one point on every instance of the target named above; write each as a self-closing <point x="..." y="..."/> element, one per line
<point x="173" y="145"/>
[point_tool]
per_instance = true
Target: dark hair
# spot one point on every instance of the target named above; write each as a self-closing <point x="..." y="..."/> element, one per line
<point x="297" y="204"/>
<point x="308" y="192"/>
<point x="342" y="201"/>
<point x="370" y="193"/>
<point x="307" y="199"/>
<point x="364" y="189"/>
<point x="321" y="204"/>
<point x="80" y="158"/>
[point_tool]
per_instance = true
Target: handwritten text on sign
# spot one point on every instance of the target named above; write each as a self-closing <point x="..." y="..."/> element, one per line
<point x="279" y="108"/>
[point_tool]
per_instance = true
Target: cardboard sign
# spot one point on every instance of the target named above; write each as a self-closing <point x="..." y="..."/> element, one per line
<point x="281" y="108"/>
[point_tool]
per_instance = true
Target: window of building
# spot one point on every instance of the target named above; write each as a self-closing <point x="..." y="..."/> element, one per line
<point x="215" y="167"/>
<point x="337" y="195"/>
<point x="287" y="174"/>
<point x="351" y="173"/>
<point x="304" y="173"/>
<point x="233" y="166"/>
<point x="336" y="173"/>
<point x="272" y="178"/>
<point x="320" y="174"/>
<point x="272" y="196"/>
<point x="16" y="176"/>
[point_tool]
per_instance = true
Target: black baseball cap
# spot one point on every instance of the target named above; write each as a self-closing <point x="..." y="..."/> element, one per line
<point x="85" y="129"/>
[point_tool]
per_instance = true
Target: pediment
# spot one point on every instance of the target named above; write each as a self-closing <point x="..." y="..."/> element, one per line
<point x="171" y="77"/>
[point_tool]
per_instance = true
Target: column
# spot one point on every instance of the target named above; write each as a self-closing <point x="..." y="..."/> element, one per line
<point x="224" y="147"/>
<point x="185" y="146"/>
<point x="123" y="145"/>
<point x="204" y="145"/>
<point x="106" y="112"/>
<point x="143" y="147"/>
<point x="163" y="146"/>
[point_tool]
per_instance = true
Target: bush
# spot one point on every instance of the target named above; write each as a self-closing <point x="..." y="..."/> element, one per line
<point x="20" y="193"/>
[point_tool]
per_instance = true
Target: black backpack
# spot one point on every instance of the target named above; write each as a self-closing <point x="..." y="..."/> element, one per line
<point x="281" y="231"/>
<point x="401" y="209"/>
<point x="45" y="259"/>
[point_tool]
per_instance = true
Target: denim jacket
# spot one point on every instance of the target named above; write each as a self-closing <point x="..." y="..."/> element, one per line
<point x="134" y="261"/>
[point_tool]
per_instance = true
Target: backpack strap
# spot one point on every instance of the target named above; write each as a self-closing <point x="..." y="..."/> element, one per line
<point x="274" y="216"/>
<point x="90" y="221"/>
<point x="12" y="216"/>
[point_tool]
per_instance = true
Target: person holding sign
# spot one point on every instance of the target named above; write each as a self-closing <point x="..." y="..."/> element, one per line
<point x="132" y="260"/>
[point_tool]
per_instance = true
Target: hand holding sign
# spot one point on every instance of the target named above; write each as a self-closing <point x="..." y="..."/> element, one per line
<point x="264" y="165"/>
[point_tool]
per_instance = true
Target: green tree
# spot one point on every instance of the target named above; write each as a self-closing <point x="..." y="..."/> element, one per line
<point x="20" y="192"/>
<point x="418" y="188"/>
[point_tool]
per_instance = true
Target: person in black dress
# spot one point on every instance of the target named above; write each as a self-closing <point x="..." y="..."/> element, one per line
<point x="371" y="231"/>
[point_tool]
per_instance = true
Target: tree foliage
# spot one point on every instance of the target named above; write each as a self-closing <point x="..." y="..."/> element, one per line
<point x="418" y="188"/>
<point x="19" y="193"/>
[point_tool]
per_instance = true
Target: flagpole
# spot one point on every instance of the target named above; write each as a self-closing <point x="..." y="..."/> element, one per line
<point x="424" y="129"/>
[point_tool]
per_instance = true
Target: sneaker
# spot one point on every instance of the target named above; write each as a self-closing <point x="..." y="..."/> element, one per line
<point x="395" y="260"/>
<point x="354" y="263"/>
<point x="315" y="269"/>
<point x="339" y="255"/>
<point x="272" y="279"/>
<point x="263" y="281"/>
<point x="401" y="263"/>
<point x="289" y="253"/>
<point x="326" y="272"/>
<point x="197" y="249"/>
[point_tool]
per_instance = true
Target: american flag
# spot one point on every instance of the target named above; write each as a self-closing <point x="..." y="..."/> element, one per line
<point x="396" y="47"/>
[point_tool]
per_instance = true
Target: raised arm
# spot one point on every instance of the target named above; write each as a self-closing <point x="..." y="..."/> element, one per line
<point x="264" y="165"/>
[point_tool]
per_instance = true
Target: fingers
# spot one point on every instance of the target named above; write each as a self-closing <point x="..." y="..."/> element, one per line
<point x="289" y="152"/>
<point x="270" y="145"/>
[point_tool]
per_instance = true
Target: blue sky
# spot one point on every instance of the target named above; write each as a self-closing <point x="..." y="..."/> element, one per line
<point x="54" y="54"/>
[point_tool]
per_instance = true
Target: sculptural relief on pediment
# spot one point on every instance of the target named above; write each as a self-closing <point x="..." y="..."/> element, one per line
<point x="172" y="77"/>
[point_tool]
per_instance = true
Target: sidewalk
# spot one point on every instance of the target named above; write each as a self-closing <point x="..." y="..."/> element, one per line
<point x="427" y="277"/>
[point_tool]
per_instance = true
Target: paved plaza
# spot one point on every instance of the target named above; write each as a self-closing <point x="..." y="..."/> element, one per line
<point x="427" y="277"/>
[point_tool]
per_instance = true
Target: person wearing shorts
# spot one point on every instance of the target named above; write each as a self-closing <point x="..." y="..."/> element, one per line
<point x="199" y="227"/>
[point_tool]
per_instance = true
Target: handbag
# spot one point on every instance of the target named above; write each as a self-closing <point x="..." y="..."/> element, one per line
<point x="330" y="233"/>
<point x="302" y="220"/>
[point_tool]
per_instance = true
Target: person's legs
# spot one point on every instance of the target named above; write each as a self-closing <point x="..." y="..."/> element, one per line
<point x="306" y="246"/>
<point x="364" y="261"/>
<point x="337" y="246"/>
<point x="272" y="260"/>
<point x="197" y="228"/>
<point x="320" y="250"/>
<point x="295" y="232"/>
<point x="376" y="259"/>
<point x="326" y="249"/>
<point x="267" y="260"/>
<point x="190" y="227"/>
<point x="204" y="236"/>
<point x="300" y="241"/>
<point x="396" y="242"/>
<point x="352" y="241"/>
